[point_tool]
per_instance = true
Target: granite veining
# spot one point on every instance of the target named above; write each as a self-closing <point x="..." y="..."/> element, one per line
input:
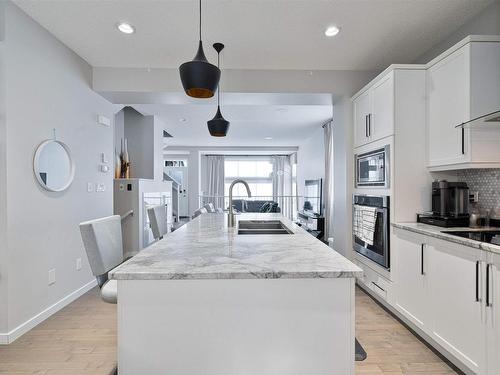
<point x="206" y="248"/>
<point x="437" y="232"/>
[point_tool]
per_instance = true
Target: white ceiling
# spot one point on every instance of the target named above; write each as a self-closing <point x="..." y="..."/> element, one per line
<point x="288" y="125"/>
<point x="259" y="34"/>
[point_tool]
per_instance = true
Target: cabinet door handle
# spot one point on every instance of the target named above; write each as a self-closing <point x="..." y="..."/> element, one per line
<point x="366" y="126"/>
<point x="477" y="280"/>
<point x="370" y="125"/>
<point x="463" y="141"/>
<point x="488" y="300"/>
<point x="422" y="272"/>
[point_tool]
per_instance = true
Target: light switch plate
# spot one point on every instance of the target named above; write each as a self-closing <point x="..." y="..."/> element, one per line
<point x="90" y="187"/>
<point x="78" y="264"/>
<point x="100" y="187"/>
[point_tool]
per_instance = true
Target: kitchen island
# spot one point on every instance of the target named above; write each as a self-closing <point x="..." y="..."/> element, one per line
<point x="207" y="300"/>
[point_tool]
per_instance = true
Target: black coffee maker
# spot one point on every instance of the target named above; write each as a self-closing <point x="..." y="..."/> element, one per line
<point x="450" y="205"/>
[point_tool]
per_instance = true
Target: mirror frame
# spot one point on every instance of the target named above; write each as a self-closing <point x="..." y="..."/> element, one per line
<point x="36" y="160"/>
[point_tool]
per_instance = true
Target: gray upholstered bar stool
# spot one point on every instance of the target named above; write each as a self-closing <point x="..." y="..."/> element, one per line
<point x="209" y="207"/>
<point x="199" y="211"/>
<point x="158" y="221"/>
<point x="102" y="239"/>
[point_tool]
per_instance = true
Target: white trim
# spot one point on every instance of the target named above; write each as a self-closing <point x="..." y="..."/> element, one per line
<point x="10" y="337"/>
<point x="430" y="340"/>
<point x="460" y="44"/>
<point x="449" y="51"/>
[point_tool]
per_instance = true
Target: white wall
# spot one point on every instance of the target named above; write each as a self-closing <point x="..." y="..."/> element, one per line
<point x="311" y="159"/>
<point x="3" y="182"/>
<point x="485" y="23"/>
<point x="48" y="86"/>
<point x="139" y="132"/>
<point x="343" y="176"/>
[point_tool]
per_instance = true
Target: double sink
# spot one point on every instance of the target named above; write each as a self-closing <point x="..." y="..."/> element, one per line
<point x="262" y="227"/>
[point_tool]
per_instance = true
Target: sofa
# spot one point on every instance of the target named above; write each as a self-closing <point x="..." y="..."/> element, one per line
<point x="243" y="205"/>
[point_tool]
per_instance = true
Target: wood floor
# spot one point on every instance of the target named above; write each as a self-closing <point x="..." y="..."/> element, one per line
<point x="81" y="339"/>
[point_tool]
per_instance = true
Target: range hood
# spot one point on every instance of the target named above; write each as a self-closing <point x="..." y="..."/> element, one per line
<point x="488" y="121"/>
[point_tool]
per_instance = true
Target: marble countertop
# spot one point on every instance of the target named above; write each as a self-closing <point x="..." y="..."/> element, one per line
<point x="436" y="232"/>
<point x="205" y="248"/>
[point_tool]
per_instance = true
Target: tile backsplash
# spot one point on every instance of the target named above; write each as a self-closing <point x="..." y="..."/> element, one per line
<point x="487" y="183"/>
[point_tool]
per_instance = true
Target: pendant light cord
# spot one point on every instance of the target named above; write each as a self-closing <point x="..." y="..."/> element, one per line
<point x="200" y="20"/>
<point x="218" y="84"/>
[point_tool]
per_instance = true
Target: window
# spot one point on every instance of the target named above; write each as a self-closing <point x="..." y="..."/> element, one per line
<point x="257" y="171"/>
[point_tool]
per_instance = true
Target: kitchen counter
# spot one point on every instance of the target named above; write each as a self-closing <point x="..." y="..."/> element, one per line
<point x="206" y="300"/>
<point x="436" y="232"/>
<point x="205" y="248"/>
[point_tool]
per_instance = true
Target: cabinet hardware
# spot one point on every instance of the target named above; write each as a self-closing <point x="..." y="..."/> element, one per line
<point x="422" y="272"/>
<point x="369" y="124"/>
<point x="378" y="286"/>
<point x="488" y="301"/>
<point x="463" y="141"/>
<point x="477" y="281"/>
<point x="366" y="126"/>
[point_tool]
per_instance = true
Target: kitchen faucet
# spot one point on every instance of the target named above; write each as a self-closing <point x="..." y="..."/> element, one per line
<point x="230" y="218"/>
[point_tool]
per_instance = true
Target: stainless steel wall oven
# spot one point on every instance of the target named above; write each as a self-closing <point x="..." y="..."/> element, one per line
<point x="371" y="228"/>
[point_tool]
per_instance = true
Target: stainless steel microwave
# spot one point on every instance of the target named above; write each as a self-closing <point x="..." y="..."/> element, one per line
<point x="372" y="168"/>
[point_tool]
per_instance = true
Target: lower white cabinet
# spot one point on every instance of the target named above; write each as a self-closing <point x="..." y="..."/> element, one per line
<point x="493" y="314"/>
<point x="441" y="287"/>
<point x="411" y="283"/>
<point x="457" y="310"/>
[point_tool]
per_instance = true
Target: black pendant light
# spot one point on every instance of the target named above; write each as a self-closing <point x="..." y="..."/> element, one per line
<point x="199" y="78"/>
<point x="218" y="126"/>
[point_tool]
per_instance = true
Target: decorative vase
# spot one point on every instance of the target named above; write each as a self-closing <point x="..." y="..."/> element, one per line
<point x="117" y="165"/>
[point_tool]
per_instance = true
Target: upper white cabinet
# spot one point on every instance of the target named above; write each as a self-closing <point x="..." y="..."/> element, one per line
<point x="374" y="111"/>
<point x="462" y="84"/>
<point x="362" y="108"/>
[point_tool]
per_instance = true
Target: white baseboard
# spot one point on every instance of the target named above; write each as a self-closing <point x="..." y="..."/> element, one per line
<point x="10" y="337"/>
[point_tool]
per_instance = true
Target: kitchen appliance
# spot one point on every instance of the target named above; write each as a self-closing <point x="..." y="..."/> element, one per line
<point x="372" y="168"/>
<point x="371" y="237"/>
<point x="450" y="205"/>
<point x="488" y="236"/>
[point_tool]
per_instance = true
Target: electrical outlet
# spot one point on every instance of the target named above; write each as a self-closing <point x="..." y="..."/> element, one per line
<point x="78" y="264"/>
<point x="474" y="196"/>
<point x="100" y="187"/>
<point x="90" y="187"/>
<point x="52" y="276"/>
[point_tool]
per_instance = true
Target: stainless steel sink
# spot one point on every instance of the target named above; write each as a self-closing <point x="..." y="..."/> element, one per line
<point x="262" y="227"/>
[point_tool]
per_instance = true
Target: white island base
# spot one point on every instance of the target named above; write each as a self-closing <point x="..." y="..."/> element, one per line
<point x="236" y="327"/>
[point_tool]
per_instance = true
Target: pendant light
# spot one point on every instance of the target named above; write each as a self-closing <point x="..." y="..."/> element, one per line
<point x="218" y="126"/>
<point x="199" y="78"/>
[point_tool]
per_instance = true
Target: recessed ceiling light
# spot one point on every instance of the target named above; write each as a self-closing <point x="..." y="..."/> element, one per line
<point x="332" y="31"/>
<point x="182" y="119"/>
<point x="268" y="138"/>
<point x="125" y="28"/>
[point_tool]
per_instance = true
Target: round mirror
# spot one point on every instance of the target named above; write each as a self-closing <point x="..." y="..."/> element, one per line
<point x="54" y="169"/>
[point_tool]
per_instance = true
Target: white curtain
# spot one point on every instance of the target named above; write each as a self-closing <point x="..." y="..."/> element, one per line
<point x="328" y="185"/>
<point x="215" y="180"/>
<point x="282" y="184"/>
